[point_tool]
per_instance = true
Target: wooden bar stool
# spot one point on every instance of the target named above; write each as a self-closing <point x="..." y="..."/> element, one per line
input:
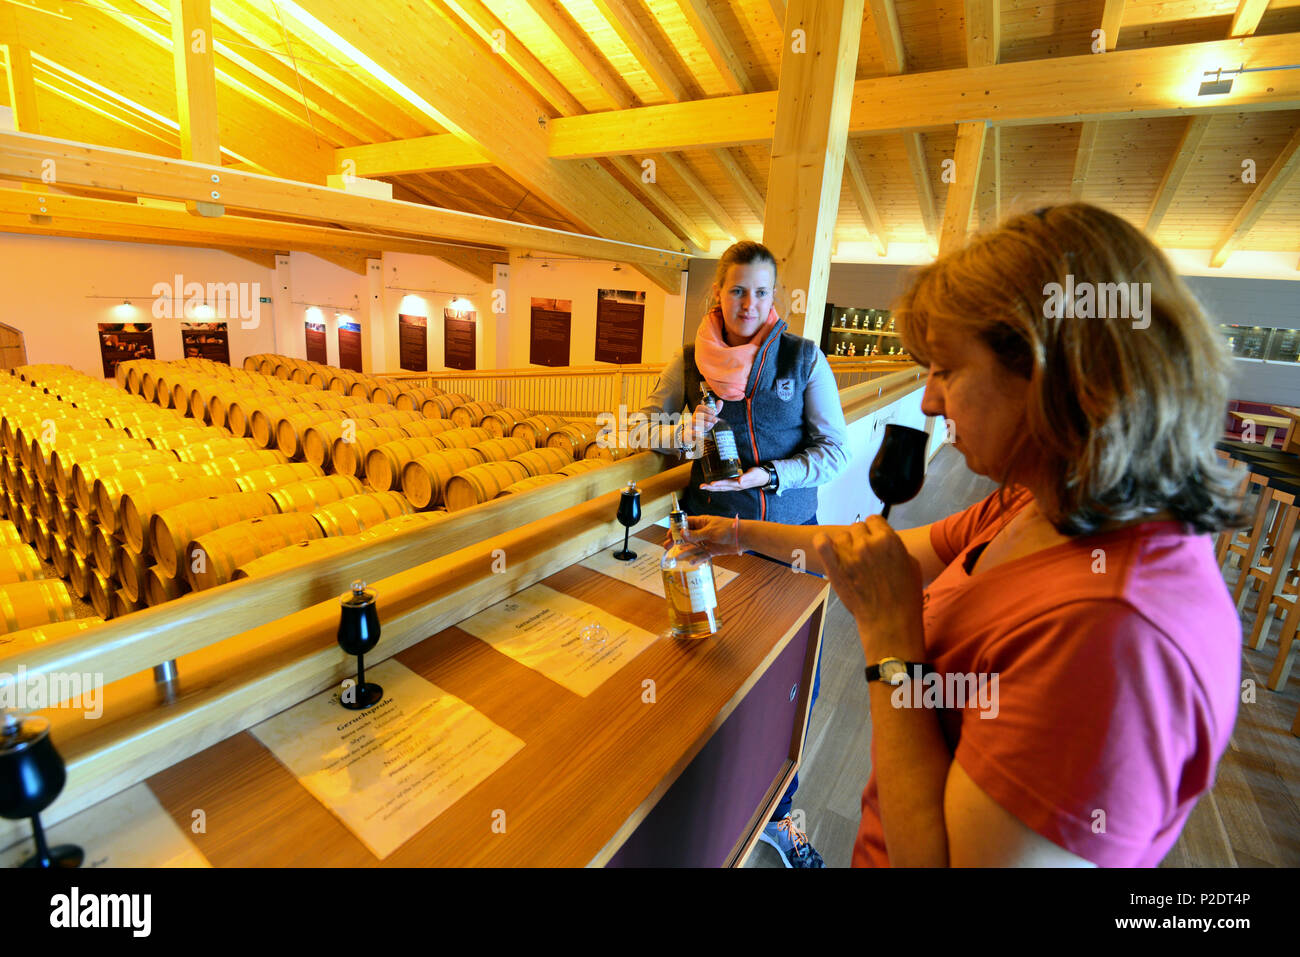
<point x="1226" y="537"/>
<point x="1245" y="544"/>
<point x="1275" y="561"/>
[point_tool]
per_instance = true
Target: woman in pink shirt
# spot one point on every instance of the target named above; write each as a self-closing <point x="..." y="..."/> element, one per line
<point x="1054" y="672"/>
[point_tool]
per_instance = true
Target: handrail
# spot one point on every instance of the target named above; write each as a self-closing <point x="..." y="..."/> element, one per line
<point x="139" y="641"/>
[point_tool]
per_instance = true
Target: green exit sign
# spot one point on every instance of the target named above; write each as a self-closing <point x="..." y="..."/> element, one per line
<point x="264" y="299"/>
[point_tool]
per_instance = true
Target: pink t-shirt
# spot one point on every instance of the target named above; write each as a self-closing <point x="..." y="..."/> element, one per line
<point x="1118" y="659"/>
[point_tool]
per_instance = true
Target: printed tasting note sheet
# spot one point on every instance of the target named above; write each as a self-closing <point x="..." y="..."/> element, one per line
<point x="543" y="629"/>
<point x="643" y="571"/>
<point x="389" y="771"/>
<point x="130" y="829"/>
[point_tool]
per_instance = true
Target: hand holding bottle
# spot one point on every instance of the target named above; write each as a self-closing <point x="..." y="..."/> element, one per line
<point x="700" y="422"/>
<point x="719" y="536"/>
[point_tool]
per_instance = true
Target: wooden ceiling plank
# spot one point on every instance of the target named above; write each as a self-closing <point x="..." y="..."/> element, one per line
<point x="1175" y="171"/>
<point x="968" y="157"/>
<point x="808" y="149"/>
<point x="22" y="156"/>
<point x="252" y="26"/>
<point x="644" y="48"/>
<point x="728" y="226"/>
<point x="351" y="260"/>
<point x="475" y="15"/>
<point x="1058" y="90"/>
<point x="472" y="95"/>
<point x="656" y="194"/>
<point x="717" y="44"/>
<point x="1245" y="21"/>
<point x="477" y="262"/>
<point x="1283" y="168"/>
<point x="778" y="11"/>
<point x="861" y="192"/>
<point x="571" y="37"/>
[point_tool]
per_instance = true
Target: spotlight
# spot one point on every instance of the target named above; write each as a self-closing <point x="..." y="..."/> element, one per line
<point x="1217" y="82"/>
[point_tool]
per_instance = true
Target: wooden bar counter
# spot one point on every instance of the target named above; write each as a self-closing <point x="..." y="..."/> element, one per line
<point x="684" y="776"/>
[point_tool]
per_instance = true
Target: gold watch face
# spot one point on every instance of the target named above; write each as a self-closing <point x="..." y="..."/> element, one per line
<point x="893" y="671"/>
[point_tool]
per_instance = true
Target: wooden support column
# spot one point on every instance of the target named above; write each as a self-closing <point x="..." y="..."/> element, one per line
<point x="196" y="90"/>
<point x="808" y="146"/>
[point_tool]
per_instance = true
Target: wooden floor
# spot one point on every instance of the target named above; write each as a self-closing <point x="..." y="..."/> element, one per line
<point x="1251" y="818"/>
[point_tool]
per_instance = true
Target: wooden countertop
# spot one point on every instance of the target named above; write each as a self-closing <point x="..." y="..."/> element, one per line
<point x="590" y="770"/>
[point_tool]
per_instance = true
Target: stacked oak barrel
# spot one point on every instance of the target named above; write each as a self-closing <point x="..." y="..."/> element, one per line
<point x="189" y="474"/>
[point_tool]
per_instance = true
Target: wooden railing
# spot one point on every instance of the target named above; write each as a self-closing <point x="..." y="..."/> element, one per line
<point x="586" y="391"/>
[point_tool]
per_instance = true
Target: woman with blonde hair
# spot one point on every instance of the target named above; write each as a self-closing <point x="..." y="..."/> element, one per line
<point x="1054" y="671"/>
<point x="779" y="396"/>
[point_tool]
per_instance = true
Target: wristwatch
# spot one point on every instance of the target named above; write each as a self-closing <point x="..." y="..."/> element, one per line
<point x="895" y="671"/>
<point x="773" y="479"/>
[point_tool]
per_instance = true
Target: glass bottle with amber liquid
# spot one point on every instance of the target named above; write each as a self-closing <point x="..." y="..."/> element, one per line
<point x="688" y="583"/>
<point x="718" y="446"/>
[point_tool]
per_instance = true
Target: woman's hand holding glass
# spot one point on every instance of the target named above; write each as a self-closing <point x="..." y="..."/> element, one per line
<point x="718" y="536"/>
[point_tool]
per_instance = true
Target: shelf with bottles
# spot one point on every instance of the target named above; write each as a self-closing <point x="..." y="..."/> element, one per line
<point x="861" y="333"/>
<point x="1262" y="344"/>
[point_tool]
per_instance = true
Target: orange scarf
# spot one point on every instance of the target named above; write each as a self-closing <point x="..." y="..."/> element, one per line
<point x="726" y="368"/>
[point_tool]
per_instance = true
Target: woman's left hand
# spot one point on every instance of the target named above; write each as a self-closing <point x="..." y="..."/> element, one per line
<point x="880" y="583"/>
<point x="753" y="478"/>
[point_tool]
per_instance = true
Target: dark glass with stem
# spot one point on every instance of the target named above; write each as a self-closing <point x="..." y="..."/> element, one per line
<point x="898" y="470"/>
<point x="31" y="776"/>
<point x="629" y="513"/>
<point x="358" y="633"/>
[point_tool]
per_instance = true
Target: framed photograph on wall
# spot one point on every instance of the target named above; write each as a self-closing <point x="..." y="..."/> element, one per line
<point x="350" y="345"/>
<point x="121" y="341"/>
<point x="316" y="349"/>
<point x="205" y="340"/>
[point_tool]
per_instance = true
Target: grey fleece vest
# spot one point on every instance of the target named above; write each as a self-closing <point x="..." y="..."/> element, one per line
<point x="769" y="425"/>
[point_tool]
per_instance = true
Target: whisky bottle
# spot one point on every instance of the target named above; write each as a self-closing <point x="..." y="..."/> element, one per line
<point x="720" y="459"/>
<point x="688" y="583"/>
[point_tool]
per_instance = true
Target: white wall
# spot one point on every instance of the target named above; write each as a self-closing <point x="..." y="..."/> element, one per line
<point x="57" y="290"/>
<point x="580" y="281"/>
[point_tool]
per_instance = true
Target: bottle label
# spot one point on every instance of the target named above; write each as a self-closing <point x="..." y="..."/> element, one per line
<point x="691" y="591"/>
<point x="725" y="443"/>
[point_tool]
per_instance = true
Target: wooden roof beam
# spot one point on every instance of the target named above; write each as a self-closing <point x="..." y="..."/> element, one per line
<point x="967" y="159"/>
<point x="645" y="48"/>
<point x="1177" y="169"/>
<point x="884" y="17"/>
<point x="572" y="39"/>
<point x="241" y="231"/>
<point x="22" y="88"/>
<point x="717" y="44"/>
<point x="1283" y="168"/>
<point x="983" y="32"/>
<point x="861" y="193"/>
<point x="484" y="23"/>
<point x="656" y="194"/>
<point x="741" y="181"/>
<point x="916" y="162"/>
<point x="1245" y="21"/>
<point x="424" y="154"/>
<point x="988" y="198"/>
<point x="1032" y="92"/>
<point x="22" y="156"/>
<point x="730" y="228"/>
